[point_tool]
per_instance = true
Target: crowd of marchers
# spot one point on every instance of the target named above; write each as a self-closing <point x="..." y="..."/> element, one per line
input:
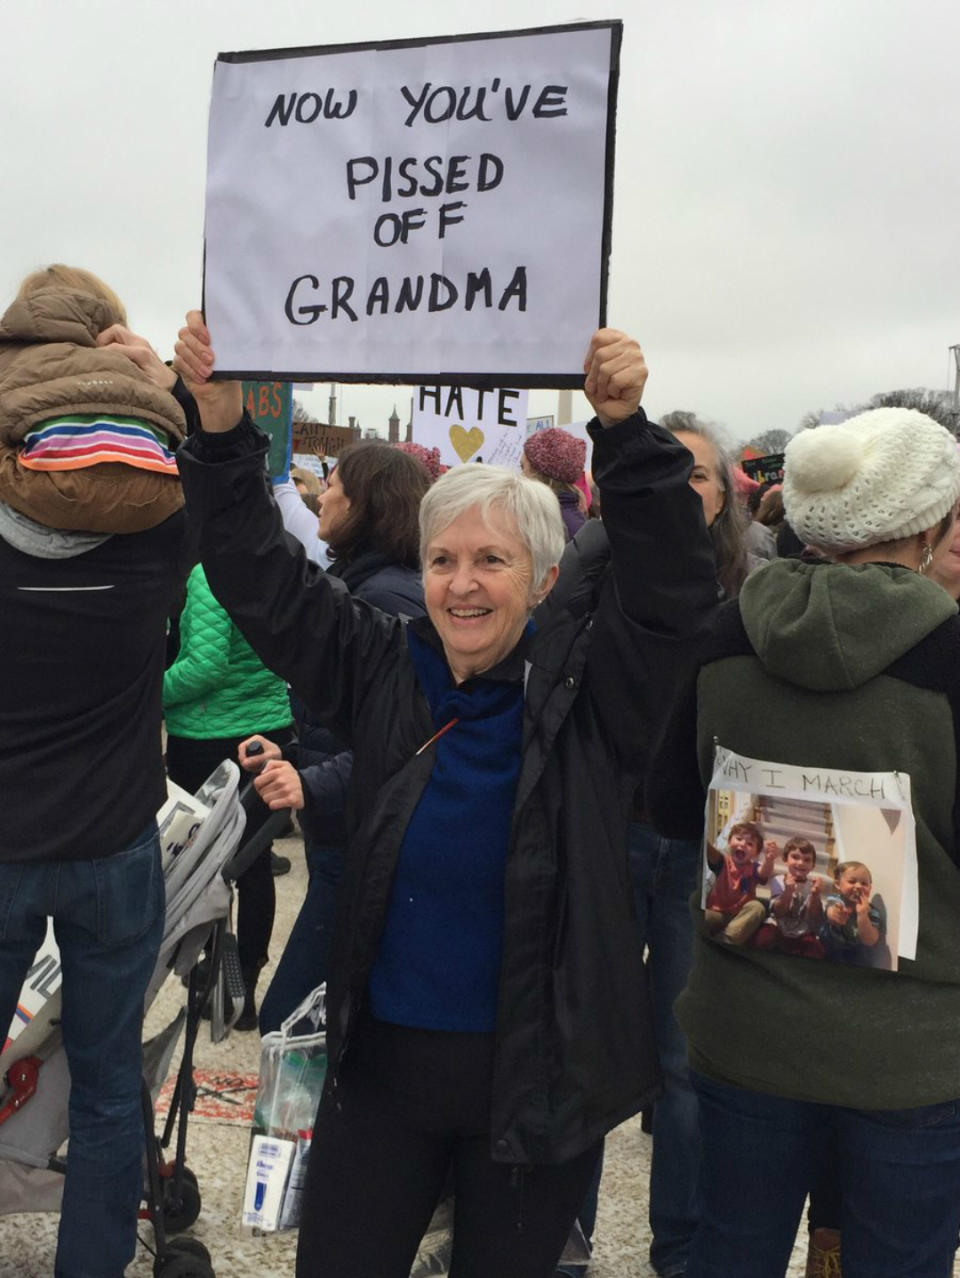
<point x="496" y="701"/>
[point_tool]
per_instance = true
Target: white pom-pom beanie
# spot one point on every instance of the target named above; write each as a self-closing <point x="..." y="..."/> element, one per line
<point x="880" y="476"/>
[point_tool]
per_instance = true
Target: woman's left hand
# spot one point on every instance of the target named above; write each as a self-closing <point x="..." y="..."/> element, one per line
<point x="616" y="374"/>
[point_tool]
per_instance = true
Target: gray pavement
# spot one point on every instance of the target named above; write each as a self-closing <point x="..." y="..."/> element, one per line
<point x="217" y="1151"/>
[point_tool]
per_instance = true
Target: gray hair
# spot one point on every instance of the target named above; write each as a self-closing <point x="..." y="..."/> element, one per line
<point x="729" y="530"/>
<point x="531" y="505"/>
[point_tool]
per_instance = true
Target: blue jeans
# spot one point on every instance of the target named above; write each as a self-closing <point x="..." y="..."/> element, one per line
<point x="900" y="1180"/>
<point x="666" y="872"/>
<point x="108" y="921"/>
<point x="303" y="964"/>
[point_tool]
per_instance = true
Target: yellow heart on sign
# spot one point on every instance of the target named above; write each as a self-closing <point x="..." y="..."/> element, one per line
<point x="466" y="442"/>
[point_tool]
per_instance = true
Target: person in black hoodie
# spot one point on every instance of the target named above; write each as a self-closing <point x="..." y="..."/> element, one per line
<point x="368" y="517"/>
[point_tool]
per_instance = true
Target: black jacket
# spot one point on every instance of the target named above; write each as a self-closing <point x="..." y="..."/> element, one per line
<point x="324" y="764"/>
<point x="575" y="1053"/>
<point x="83" y="639"/>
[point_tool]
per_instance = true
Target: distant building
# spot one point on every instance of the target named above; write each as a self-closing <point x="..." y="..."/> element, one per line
<point x="393" y="426"/>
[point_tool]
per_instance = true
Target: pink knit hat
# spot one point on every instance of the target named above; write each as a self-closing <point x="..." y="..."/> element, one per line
<point x="557" y="454"/>
<point x="429" y="458"/>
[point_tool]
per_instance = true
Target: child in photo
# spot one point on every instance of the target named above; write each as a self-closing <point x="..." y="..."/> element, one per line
<point x="853" y="924"/>
<point x="733" y="912"/>
<point x="796" y="908"/>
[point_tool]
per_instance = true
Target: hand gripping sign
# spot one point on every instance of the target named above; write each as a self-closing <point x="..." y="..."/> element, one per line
<point x="417" y="210"/>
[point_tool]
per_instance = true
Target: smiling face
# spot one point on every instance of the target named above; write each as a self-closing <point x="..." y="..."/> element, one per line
<point x="945" y="570"/>
<point x="334" y="504"/>
<point x="479" y="589"/>
<point x="855" y="884"/>
<point x="705" y="477"/>
<point x="799" y="863"/>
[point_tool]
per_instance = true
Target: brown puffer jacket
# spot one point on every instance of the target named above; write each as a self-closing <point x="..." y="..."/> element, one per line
<point x="50" y="365"/>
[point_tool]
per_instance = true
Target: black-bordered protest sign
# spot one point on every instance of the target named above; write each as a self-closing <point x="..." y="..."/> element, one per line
<point x="417" y="210"/>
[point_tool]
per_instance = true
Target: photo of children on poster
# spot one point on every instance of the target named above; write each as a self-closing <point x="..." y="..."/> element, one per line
<point x="810" y="862"/>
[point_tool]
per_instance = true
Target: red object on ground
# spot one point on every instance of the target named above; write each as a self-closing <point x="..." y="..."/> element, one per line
<point x="22" y="1077"/>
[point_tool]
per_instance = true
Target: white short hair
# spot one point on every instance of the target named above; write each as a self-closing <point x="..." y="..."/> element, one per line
<point x="532" y="506"/>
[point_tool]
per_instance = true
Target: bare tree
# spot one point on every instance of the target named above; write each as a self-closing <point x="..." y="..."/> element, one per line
<point x="809" y="420"/>
<point x="770" y="441"/>
<point x="935" y="404"/>
<point x="301" y="416"/>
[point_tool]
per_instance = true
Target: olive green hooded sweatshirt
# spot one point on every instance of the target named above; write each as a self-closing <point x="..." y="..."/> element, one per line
<point x="854" y="668"/>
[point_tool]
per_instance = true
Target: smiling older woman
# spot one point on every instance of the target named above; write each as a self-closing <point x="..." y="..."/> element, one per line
<point x="485" y="1006"/>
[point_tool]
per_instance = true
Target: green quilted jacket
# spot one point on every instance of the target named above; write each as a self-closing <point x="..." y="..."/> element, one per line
<point x="218" y="686"/>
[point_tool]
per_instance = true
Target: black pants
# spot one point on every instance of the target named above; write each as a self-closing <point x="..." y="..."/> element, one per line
<point x="412" y="1105"/>
<point x="189" y="763"/>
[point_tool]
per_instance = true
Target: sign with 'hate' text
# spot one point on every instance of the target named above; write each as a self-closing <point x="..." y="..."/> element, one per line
<point x="467" y="424"/>
<point x="416" y="210"/>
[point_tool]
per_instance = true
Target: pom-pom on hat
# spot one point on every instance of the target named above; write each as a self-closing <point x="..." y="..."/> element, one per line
<point x="429" y="458"/>
<point x="880" y="476"/>
<point x="557" y="454"/>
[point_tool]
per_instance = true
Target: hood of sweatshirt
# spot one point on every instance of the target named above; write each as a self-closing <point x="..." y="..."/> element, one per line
<point x="831" y="627"/>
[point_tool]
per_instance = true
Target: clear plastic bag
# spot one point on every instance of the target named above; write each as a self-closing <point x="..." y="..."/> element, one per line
<point x="293" y="1068"/>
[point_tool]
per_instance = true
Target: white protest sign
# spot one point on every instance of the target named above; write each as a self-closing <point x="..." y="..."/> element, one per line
<point x="468" y="424"/>
<point x="424" y="210"/>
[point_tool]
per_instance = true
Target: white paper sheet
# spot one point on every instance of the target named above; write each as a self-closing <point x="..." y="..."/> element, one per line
<point x="317" y="164"/>
<point x="893" y="861"/>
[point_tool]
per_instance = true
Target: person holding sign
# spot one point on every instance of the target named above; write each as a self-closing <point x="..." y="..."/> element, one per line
<point x="485" y="1008"/>
<point x="854" y="661"/>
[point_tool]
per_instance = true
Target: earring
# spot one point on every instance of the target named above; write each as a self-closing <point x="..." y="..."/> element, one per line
<point x="926" y="559"/>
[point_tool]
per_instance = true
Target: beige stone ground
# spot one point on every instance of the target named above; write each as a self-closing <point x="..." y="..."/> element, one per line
<point x="217" y="1153"/>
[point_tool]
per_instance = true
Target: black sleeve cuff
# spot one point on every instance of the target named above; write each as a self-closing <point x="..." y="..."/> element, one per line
<point x="221" y="446"/>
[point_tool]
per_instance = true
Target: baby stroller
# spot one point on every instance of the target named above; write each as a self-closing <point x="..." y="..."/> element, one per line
<point x="199" y="837"/>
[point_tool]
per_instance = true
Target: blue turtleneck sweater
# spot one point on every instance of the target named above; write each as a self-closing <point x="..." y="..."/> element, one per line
<point x="438" y="966"/>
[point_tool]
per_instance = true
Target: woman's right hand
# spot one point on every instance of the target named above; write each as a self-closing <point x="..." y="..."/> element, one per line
<point x="254" y="762"/>
<point x="279" y="785"/>
<point x="220" y="403"/>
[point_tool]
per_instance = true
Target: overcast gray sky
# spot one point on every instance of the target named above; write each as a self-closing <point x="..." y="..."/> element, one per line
<point x="786" y="231"/>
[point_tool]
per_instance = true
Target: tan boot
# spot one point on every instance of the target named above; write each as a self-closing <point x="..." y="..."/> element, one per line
<point x="823" y="1256"/>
